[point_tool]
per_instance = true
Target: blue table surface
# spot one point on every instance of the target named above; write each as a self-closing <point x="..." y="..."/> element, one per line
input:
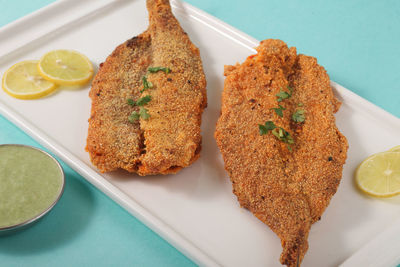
<point x="357" y="41"/>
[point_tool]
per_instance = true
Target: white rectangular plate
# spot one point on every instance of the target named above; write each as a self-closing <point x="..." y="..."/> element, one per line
<point x="195" y="209"/>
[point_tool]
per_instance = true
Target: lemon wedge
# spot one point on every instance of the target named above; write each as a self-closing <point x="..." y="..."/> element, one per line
<point x="395" y="149"/>
<point x="23" y="81"/>
<point x="66" y="67"/>
<point x="379" y="174"/>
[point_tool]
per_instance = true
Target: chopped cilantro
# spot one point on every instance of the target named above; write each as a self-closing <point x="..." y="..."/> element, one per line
<point x="157" y="69"/>
<point x="133" y="117"/>
<point x="270" y="125"/>
<point x="298" y="116"/>
<point x="143" y="100"/>
<point x="300" y="104"/>
<point x="282" y="135"/>
<point x="130" y="101"/>
<point x="146" y="84"/>
<point x="143" y="113"/>
<point x="283" y="94"/>
<point x="279" y="111"/>
<point x="264" y="129"/>
<point x="278" y="133"/>
<point x="140" y="102"/>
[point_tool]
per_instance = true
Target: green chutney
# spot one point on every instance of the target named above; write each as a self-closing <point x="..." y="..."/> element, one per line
<point x="30" y="183"/>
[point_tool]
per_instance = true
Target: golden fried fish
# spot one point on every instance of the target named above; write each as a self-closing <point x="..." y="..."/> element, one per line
<point x="281" y="147"/>
<point x="147" y="100"/>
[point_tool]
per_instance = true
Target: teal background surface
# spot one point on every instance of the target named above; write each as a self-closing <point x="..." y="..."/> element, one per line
<point x="357" y="41"/>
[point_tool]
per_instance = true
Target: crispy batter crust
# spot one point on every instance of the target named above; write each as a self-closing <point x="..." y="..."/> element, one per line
<point x="286" y="190"/>
<point x="170" y="139"/>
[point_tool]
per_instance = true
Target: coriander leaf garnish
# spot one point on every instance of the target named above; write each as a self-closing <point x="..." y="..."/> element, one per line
<point x="300" y="104"/>
<point x="264" y="129"/>
<point x="283" y="135"/>
<point x="283" y="94"/>
<point x="157" y="69"/>
<point x="280" y="133"/>
<point x="144" y="113"/>
<point x="298" y="116"/>
<point x="279" y="111"/>
<point x="140" y="102"/>
<point x="133" y="117"/>
<point x="146" y="84"/>
<point x="270" y="125"/>
<point x="143" y="100"/>
<point x="130" y="102"/>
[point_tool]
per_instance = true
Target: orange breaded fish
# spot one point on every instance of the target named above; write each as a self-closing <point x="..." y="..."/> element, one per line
<point x="169" y="139"/>
<point x="286" y="176"/>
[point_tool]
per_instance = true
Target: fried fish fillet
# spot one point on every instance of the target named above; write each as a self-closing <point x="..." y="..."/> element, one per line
<point x="170" y="139"/>
<point x="287" y="186"/>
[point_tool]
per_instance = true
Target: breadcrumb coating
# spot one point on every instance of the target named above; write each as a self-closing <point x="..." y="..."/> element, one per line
<point x="170" y="139"/>
<point x="287" y="190"/>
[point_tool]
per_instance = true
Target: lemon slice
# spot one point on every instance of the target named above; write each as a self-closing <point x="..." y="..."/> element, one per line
<point x="23" y="81"/>
<point x="379" y="174"/>
<point x="395" y="149"/>
<point x="66" y="67"/>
